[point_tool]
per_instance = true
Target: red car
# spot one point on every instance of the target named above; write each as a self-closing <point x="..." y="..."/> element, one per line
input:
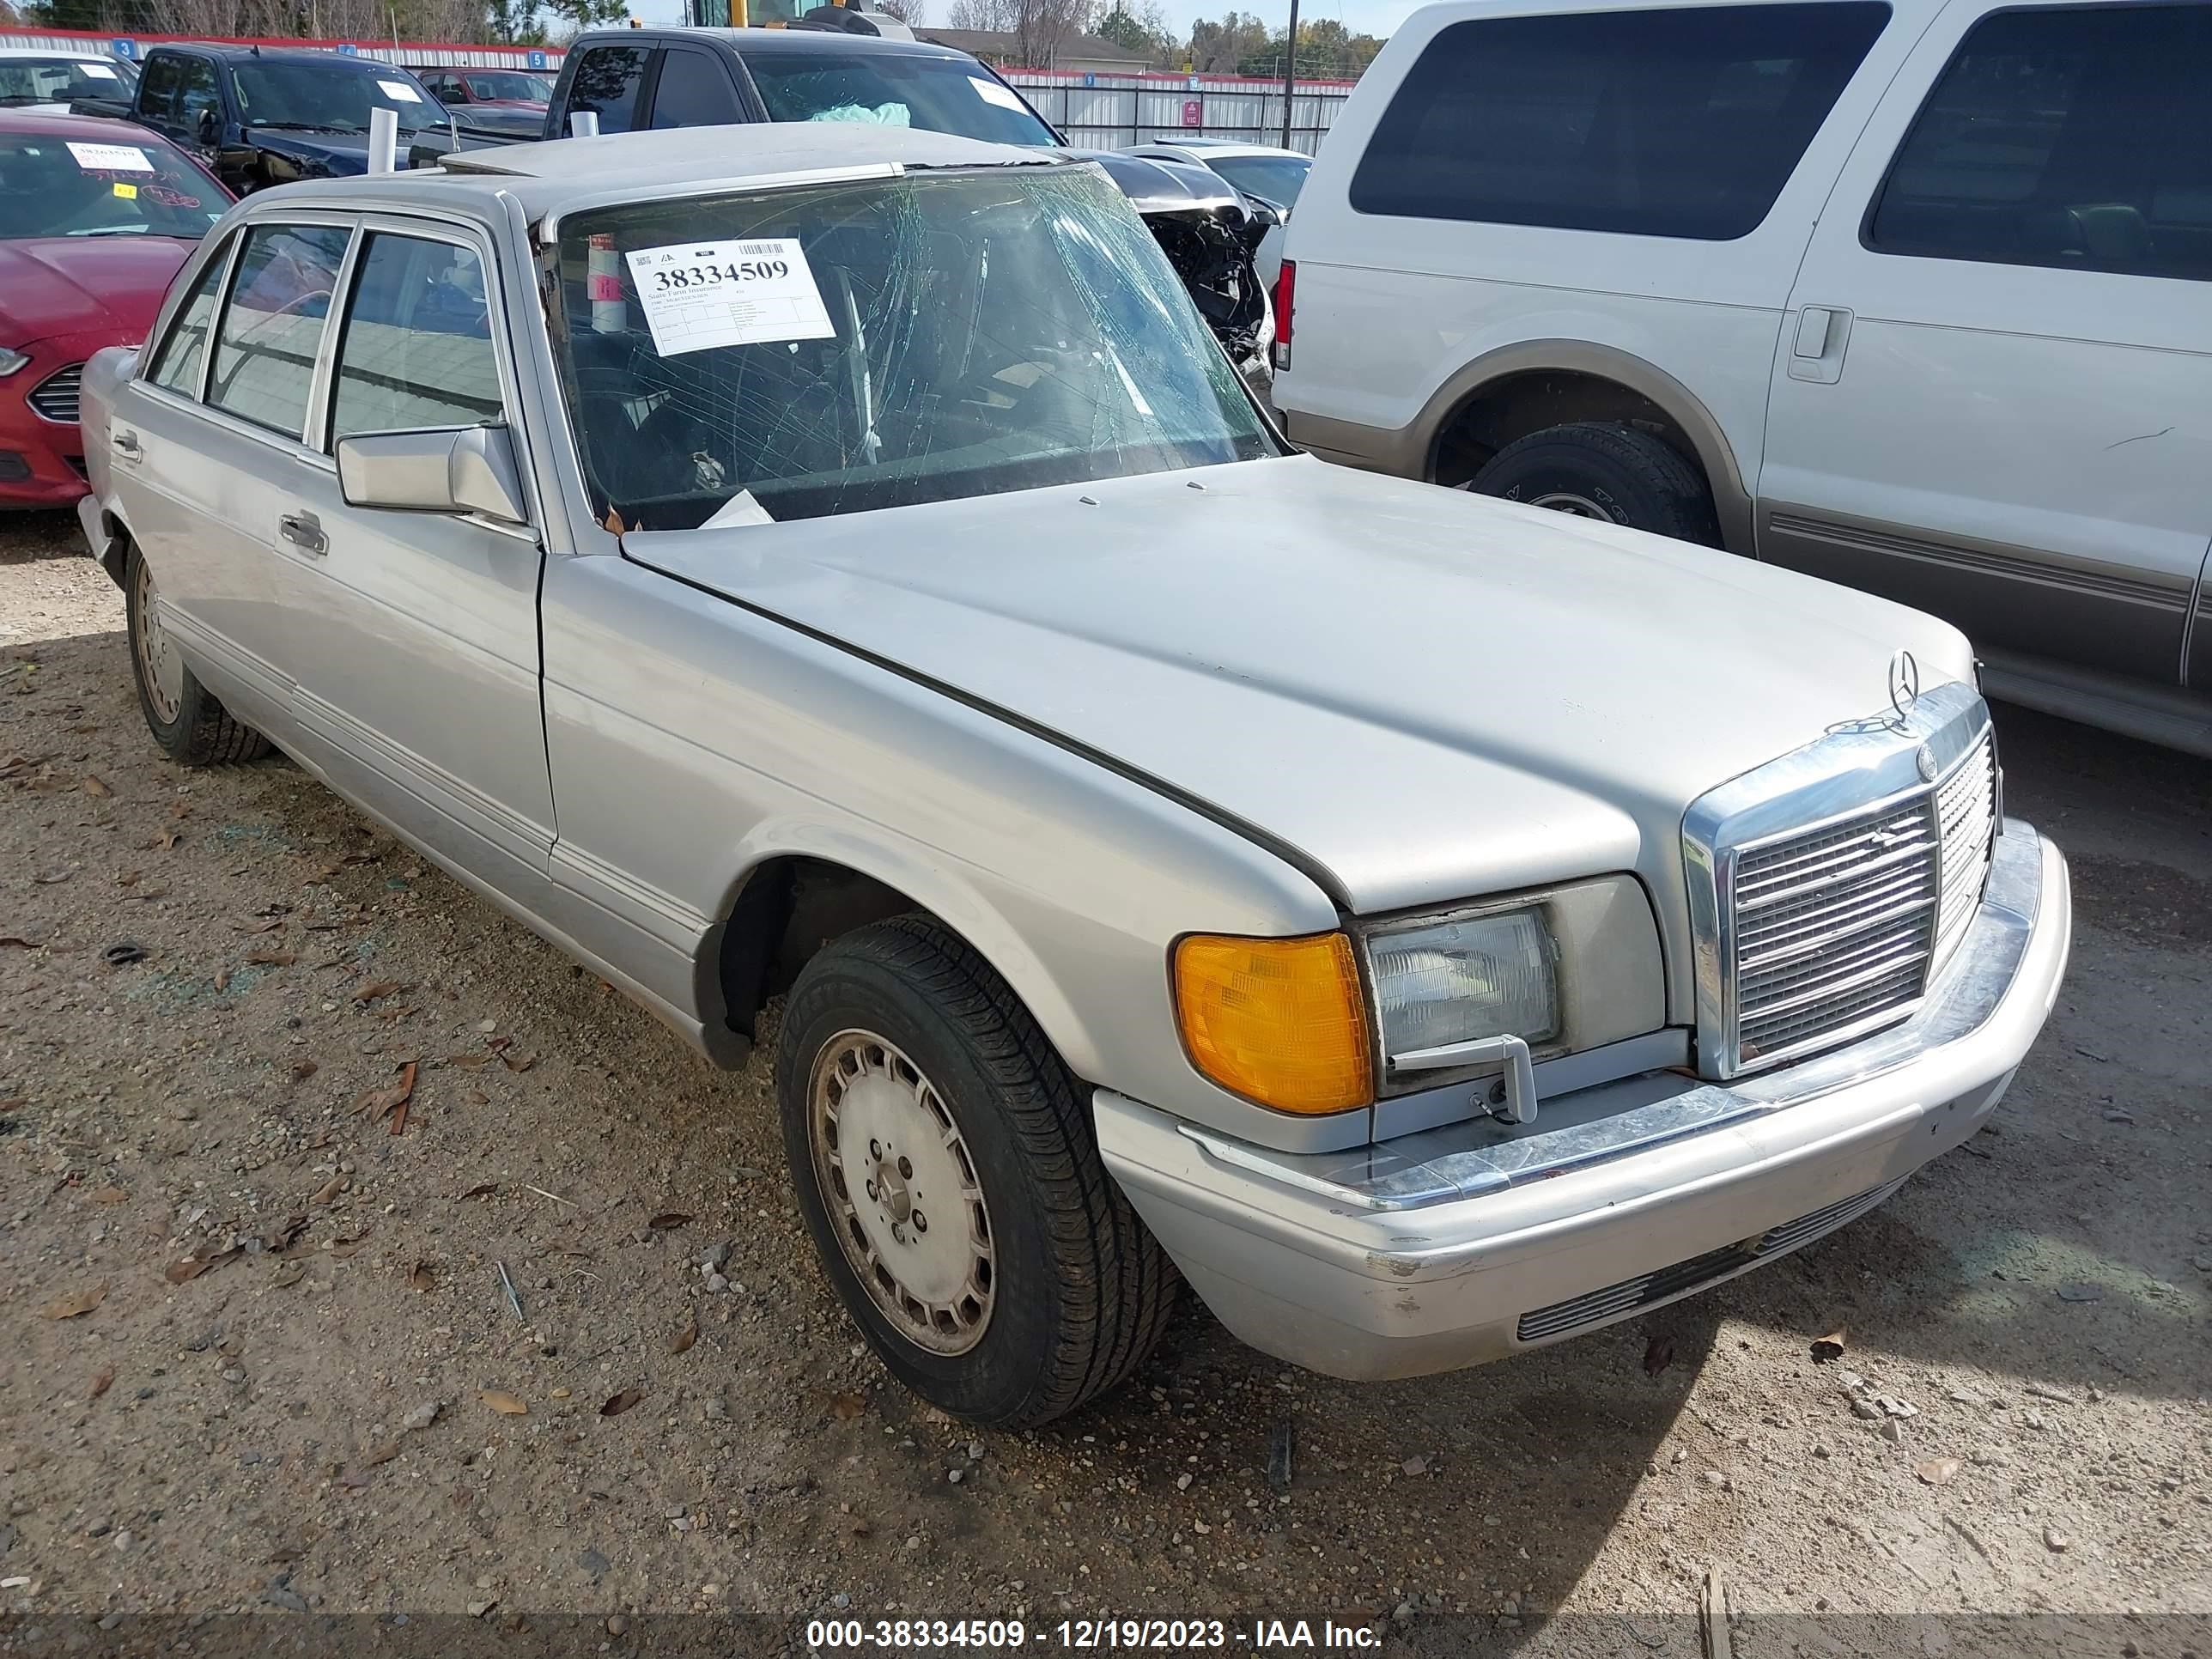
<point x="95" y="217"/>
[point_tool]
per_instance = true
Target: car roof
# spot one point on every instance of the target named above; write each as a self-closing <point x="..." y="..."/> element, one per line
<point x="550" y="175"/>
<point x="748" y="41"/>
<point x="281" y="55"/>
<point x="88" y="128"/>
<point x="74" y="54"/>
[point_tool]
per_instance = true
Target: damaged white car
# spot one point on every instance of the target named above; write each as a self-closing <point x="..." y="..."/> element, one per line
<point x="844" y="569"/>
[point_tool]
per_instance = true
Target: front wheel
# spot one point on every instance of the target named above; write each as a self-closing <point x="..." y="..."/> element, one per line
<point x="946" y="1164"/>
<point x="1603" y="470"/>
<point x="183" y="715"/>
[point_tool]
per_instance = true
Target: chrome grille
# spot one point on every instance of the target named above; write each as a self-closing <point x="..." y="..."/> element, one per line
<point x="56" y="397"/>
<point x="1600" y="1306"/>
<point x="1829" y="930"/>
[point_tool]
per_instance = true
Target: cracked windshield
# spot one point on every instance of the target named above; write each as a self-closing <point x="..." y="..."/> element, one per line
<point x="845" y="347"/>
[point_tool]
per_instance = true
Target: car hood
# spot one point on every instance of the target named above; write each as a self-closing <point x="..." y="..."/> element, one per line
<point x="318" y="155"/>
<point x="51" y="286"/>
<point x="1421" y="694"/>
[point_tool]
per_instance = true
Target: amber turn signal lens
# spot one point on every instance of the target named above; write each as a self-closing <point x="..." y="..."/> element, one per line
<point x="1280" y="1021"/>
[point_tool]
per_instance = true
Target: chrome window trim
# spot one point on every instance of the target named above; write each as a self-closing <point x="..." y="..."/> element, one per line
<point x="1856" y="769"/>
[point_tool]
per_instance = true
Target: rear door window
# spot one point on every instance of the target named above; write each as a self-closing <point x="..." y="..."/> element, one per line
<point x="272" y="329"/>
<point x="606" y="84"/>
<point x="1682" y="122"/>
<point x="177" y="365"/>
<point x="2076" y="138"/>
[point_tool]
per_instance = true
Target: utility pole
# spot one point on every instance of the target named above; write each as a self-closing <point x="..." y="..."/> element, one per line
<point x="1289" y="72"/>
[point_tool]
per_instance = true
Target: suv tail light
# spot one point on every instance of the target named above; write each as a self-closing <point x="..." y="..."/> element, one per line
<point x="1287" y="286"/>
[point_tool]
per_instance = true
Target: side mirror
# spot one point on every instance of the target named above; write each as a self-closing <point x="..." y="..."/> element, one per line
<point x="471" y="469"/>
<point x="210" y="127"/>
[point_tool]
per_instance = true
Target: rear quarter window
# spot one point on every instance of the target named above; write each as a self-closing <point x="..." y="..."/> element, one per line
<point x="1681" y="123"/>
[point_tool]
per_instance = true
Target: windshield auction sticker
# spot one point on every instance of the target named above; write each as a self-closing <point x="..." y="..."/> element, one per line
<point x="400" y="92"/>
<point x="110" y="158"/>
<point x="697" y="295"/>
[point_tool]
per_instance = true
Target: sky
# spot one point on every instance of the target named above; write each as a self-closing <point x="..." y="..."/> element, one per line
<point x="1376" y="17"/>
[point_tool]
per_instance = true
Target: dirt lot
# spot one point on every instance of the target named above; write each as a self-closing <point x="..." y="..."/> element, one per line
<point x="279" y="1289"/>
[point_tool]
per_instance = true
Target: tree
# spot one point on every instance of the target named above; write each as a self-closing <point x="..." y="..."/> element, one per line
<point x="1217" y="48"/>
<point x="1146" y="30"/>
<point x="514" y="22"/>
<point x="1327" y="51"/>
<point x="578" y="15"/>
<point x="1039" y="27"/>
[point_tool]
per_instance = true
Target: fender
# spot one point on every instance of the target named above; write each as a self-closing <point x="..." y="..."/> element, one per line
<point x="930" y="884"/>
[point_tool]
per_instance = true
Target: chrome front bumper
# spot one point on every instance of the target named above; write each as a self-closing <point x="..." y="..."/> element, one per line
<point x="1464" y="1244"/>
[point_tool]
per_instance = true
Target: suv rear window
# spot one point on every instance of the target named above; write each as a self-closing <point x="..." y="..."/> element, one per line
<point x="1681" y="123"/>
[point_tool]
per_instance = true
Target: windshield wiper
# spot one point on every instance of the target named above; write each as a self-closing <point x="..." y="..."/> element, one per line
<point x="307" y="126"/>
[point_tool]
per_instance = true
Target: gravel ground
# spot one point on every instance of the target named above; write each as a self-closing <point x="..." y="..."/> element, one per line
<point x="299" y="1386"/>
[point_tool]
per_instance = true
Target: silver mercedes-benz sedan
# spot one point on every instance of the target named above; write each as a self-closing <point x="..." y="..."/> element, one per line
<point x="835" y="563"/>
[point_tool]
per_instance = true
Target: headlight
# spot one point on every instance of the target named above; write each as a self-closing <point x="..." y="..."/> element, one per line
<point x="1439" y="983"/>
<point x="10" y="361"/>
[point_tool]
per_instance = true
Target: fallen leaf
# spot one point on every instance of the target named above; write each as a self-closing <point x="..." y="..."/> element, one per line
<point x="83" y="1303"/>
<point x="469" y="1061"/>
<point x="846" y="1407"/>
<point x="329" y="1190"/>
<point x="289" y="1274"/>
<point x="165" y="841"/>
<point x="618" y="1404"/>
<point x="223" y="979"/>
<point x="109" y="1195"/>
<point x="53" y="878"/>
<point x="478" y="1097"/>
<point x="369" y="992"/>
<point x="1937" y="1471"/>
<point x="280" y="1238"/>
<point x="687" y="1336"/>
<point x="126" y="877"/>
<point x="271" y="959"/>
<point x="123" y="953"/>
<point x="505" y="1403"/>
<point x="20" y="944"/>
<point x="183" y="1273"/>
<point x="668" y="1220"/>
<point x="383" y="1454"/>
<point x="103" y="1381"/>
<point x="612" y="524"/>
<point x="303" y="1069"/>
<point x="1828" y="1348"/>
<point x="94" y="786"/>
<point x="1658" y="1354"/>
<point x="482" y="1189"/>
<point x="420" y="1277"/>
<point x="342" y="1248"/>
<point x="258" y="927"/>
<point x="518" y="1062"/>
<point x="378" y="1101"/>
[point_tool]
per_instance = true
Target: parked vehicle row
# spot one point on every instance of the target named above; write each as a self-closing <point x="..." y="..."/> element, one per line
<point x="1904" y="294"/>
<point x="840" y="567"/>
<point x="95" y="218"/>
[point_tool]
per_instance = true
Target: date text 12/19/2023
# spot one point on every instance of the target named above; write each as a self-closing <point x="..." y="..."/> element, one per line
<point x="1007" y="1635"/>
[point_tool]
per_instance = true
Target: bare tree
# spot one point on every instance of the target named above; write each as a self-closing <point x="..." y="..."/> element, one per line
<point x="1040" y="28"/>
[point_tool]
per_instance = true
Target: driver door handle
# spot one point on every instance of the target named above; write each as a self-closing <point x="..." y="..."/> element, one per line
<point x="305" y="532"/>
<point x="126" y="447"/>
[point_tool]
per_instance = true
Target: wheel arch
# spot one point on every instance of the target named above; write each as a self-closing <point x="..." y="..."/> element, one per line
<point x="795" y="892"/>
<point x="1514" y="377"/>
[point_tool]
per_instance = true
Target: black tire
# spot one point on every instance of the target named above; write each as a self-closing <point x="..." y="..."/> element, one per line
<point x="1080" y="1290"/>
<point x="1614" y="471"/>
<point x="199" y="730"/>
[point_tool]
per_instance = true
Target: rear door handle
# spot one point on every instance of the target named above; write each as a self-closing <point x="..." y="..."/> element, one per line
<point x="125" y="445"/>
<point x="1816" y="353"/>
<point x="304" y="531"/>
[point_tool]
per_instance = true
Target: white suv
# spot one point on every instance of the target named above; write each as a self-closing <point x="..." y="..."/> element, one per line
<point x="1911" y="295"/>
